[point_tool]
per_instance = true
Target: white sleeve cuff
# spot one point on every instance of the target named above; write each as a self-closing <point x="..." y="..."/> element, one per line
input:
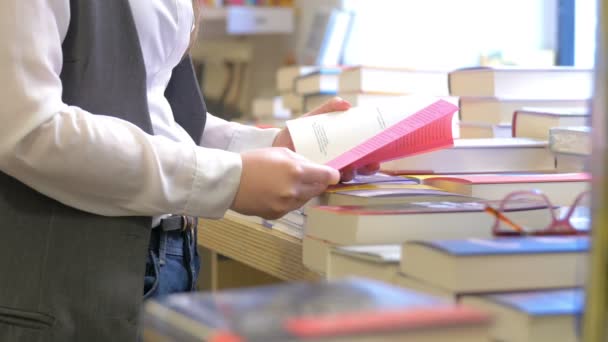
<point x="217" y="176"/>
<point x="250" y="138"/>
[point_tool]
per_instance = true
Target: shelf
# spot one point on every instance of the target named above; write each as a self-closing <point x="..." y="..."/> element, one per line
<point x="247" y="20"/>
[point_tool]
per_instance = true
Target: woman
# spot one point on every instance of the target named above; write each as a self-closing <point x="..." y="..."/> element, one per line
<point x="104" y="135"/>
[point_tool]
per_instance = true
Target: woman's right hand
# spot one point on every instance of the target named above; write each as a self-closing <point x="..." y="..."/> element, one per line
<point x="276" y="180"/>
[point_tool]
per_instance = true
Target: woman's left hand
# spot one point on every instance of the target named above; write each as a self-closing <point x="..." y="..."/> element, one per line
<point x="336" y="104"/>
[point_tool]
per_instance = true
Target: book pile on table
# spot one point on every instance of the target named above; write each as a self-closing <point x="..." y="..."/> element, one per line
<point x="426" y="228"/>
<point x="445" y="247"/>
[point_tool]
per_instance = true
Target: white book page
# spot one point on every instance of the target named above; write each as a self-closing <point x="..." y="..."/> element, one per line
<point x="322" y="138"/>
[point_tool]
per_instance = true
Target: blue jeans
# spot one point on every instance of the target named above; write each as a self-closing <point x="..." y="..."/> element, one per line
<point x="173" y="263"/>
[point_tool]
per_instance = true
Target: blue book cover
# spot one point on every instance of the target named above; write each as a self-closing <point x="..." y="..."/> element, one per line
<point x="512" y="245"/>
<point x="543" y="303"/>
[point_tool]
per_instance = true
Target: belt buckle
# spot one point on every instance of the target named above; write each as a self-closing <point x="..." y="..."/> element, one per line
<point x="187" y="223"/>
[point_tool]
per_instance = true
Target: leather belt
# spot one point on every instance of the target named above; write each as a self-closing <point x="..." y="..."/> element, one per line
<point x="177" y="222"/>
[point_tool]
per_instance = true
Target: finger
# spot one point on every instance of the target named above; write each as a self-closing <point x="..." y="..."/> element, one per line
<point x="347" y="174"/>
<point x="317" y="173"/>
<point x="369" y="169"/>
<point x="336" y="104"/>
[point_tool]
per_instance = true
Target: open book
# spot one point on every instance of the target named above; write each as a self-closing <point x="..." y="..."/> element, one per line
<point x="364" y="135"/>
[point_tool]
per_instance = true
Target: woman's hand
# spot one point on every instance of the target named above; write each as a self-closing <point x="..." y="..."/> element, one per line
<point x="275" y="181"/>
<point x="336" y="104"/>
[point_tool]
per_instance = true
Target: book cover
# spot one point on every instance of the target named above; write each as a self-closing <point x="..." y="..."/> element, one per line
<point x="510" y="245"/>
<point x="543" y="303"/>
<point x="435" y="208"/>
<point x="513" y="178"/>
<point x="533" y="315"/>
<point x="393" y="190"/>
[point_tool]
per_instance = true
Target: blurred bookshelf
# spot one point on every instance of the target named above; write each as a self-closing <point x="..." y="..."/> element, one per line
<point x="246" y="20"/>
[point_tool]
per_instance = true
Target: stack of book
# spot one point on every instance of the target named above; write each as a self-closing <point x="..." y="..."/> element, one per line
<point x="442" y="243"/>
<point x="505" y="118"/>
<point x="317" y="87"/>
<point x="331" y="226"/>
<point x="285" y="80"/>
<point x="490" y="96"/>
<point x="530" y="284"/>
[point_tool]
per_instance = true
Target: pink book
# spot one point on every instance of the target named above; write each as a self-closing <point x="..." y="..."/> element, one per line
<point x="364" y="135"/>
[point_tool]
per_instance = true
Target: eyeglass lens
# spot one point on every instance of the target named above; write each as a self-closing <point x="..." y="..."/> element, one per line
<point x="529" y="220"/>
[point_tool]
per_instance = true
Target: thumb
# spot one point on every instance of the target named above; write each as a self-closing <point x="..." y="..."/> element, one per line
<point x="334" y="176"/>
<point x="337" y="104"/>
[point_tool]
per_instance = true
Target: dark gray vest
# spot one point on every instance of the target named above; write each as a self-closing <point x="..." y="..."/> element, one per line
<point x="67" y="275"/>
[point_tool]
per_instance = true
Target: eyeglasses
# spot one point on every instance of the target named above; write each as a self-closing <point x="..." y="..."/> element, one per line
<point x="572" y="220"/>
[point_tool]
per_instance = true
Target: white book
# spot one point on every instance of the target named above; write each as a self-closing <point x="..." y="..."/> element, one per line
<point x="388" y="224"/>
<point x="323" y="80"/>
<point x="394" y="81"/>
<point x="494" y="110"/>
<point x="497" y="264"/>
<point x="479" y="156"/>
<point x="481" y="130"/>
<point x="522" y="83"/>
<point x="315" y="254"/>
<point x="378" y="262"/>
<point x="571" y="140"/>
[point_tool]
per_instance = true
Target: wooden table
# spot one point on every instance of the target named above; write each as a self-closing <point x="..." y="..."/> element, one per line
<point x="273" y="254"/>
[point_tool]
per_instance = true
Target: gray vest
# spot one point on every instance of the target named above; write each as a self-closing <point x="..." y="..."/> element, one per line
<point x="67" y="275"/>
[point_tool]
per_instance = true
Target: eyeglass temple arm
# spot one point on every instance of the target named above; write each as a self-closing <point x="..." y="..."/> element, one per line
<point x="504" y="219"/>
